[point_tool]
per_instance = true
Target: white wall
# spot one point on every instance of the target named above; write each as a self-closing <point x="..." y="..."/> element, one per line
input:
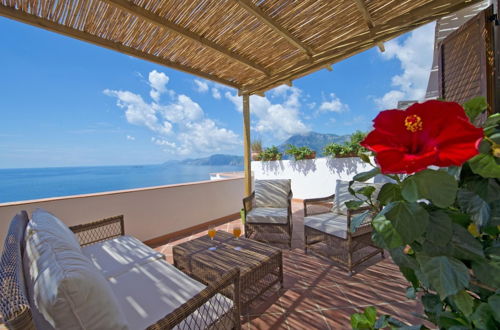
<point x="148" y="212"/>
<point x="313" y="177"/>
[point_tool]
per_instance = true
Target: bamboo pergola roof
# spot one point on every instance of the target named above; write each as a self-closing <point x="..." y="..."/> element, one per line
<point x="249" y="45"/>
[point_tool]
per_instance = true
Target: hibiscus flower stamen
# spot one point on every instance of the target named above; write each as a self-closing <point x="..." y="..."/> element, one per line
<point x="413" y="123"/>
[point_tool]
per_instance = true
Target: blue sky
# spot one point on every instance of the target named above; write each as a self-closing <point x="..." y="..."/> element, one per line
<point x="64" y="102"/>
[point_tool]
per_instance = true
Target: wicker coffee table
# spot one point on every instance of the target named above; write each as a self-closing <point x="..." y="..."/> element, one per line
<point x="261" y="265"/>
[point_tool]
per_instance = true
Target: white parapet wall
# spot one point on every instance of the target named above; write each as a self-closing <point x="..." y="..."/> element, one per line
<point x="148" y="212"/>
<point x="313" y="177"/>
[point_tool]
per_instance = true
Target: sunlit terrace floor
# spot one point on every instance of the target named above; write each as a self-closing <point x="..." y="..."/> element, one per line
<point x="318" y="294"/>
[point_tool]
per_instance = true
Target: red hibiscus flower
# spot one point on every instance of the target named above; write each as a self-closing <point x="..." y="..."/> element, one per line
<point x="430" y="133"/>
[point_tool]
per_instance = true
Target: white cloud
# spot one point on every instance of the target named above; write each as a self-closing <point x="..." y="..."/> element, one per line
<point x="158" y="82"/>
<point x="415" y="56"/>
<point x="130" y="138"/>
<point x="278" y="120"/>
<point x="334" y="105"/>
<point x="180" y="125"/>
<point x="215" y="93"/>
<point x="138" y="112"/>
<point x="201" y="86"/>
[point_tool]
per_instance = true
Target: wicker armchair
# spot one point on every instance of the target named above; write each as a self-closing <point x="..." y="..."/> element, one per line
<point x="17" y="311"/>
<point x="328" y="233"/>
<point x="268" y="212"/>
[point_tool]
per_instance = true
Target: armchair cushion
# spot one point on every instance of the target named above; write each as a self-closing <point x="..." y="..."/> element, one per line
<point x="150" y="291"/>
<point x="115" y="256"/>
<point x="268" y="215"/>
<point x="272" y="193"/>
<point x="328" y="223"/>
<point x="343" y="195"/>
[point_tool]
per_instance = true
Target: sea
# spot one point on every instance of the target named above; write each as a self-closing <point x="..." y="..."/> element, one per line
<point x="36" y="183"/>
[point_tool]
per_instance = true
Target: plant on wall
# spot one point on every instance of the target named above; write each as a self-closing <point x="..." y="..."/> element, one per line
<point x="256" y="147"/>
<point x="300" y="153"/>
<point x="271" y="153"/>
<point x="439" y="217"/>
<point x="351" y="148"/>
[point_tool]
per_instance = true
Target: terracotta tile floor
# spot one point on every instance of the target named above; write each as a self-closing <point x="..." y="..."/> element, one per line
<point x="318" y="294"/>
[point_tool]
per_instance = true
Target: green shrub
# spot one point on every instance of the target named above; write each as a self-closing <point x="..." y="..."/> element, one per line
<point x="350" y="148"/>
<point x="271" y="153"/>
<point x="300" y="153"/>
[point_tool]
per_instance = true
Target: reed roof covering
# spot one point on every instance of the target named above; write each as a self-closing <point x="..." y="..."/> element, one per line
<point x="252" y="45"/>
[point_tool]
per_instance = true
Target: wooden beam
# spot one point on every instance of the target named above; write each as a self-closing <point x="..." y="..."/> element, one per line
<point x="246" y="144"/>
<point x="163" y="23"/>
<point x="270" y="22"/>
<point x="23" y="17"/>
<point x="359" y="43"/>
<point x="368" y="19"/>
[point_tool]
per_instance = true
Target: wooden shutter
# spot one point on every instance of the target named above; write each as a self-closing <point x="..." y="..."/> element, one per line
<point x="467" y="61"/>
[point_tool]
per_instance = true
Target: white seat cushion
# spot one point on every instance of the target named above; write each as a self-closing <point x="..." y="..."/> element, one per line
<point x="328" y="223"/>
<point x="343" y="195"/>
<point x="67" y="290"/>
<point x="119" y="254"/>
<point x="149" y="292"/>
<point x="268" y="215"/>
<point x="272" y="193"/>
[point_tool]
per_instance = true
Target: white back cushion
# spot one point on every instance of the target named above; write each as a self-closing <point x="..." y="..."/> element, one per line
<point x="343" y="195"/>
<point x="50" y="227"/>
<point x="272" y="193"/>
<point x="67" y="290"/>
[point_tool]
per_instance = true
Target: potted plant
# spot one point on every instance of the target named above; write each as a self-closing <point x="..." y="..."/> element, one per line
<point x="300" y="153"/>
<point x="351" y="148"/>
<point x="256" y="148"/>
<point x="439" y="217"/>
<point x="271" y="153"/>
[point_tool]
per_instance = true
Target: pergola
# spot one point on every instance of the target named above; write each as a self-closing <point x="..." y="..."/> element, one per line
<point x="251" y="45"/>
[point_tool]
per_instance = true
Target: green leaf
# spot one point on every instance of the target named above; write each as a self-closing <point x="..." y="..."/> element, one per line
<point x="366" y="191"/>
<point x="364" y="157"/>
<point x="354" y="205"/>
<point x="446" y="275"/>
<point x="436" y="186"/>
<point x="492" y="121"/>
<point x="358" y="220"/>
<point x="359" y="321"/>
<point x="382" y="322"/>
<point x="487" y="272"/>
<point x="409" y="219"/>
<point x="483" y="317"/>
<point x="409" y="191"/>
<point x="411" y="293"/>
<point x="390" y="192"/>
<point x="432" y="305"/>
<point x="494" y="302"/>
<point x="464" y="302"/>
<point x="409" y="274"/>
<point x="465" y="246"/>
<point x="474" y="107"/>
<point x="439" y="230"/>
<point x="475" y="206"/>
<point x="364" y="176"/>
<point x="371" y="314"/>
<point x="388" y="233"/>
<point x="485" y="165"/>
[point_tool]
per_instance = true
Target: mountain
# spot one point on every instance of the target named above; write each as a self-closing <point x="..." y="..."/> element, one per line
<point x="313" y="140"/>
<point x="214" y="160"/>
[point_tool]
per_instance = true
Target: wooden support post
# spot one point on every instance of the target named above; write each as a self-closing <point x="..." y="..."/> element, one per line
<point x="246" y="144"/>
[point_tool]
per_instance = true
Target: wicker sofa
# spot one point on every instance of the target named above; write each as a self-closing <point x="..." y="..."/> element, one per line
<point x="108" y="280"/>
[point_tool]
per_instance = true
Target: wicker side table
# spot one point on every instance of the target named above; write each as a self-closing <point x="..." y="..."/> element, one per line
<point x="260" y="265"/>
